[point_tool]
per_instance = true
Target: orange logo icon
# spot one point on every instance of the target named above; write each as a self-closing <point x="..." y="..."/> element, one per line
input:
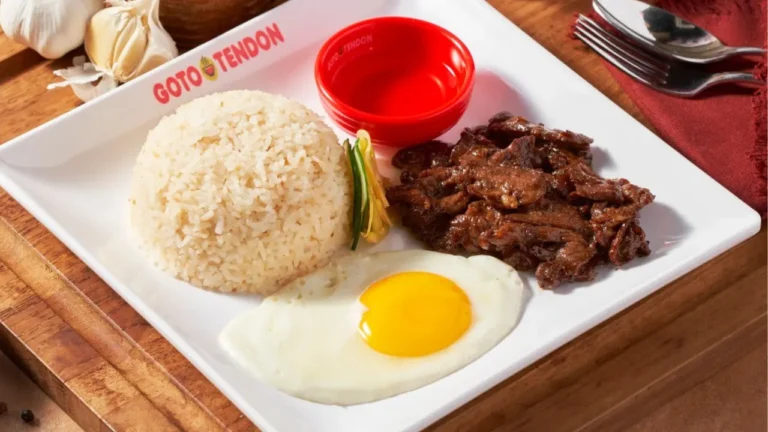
<point x="209" y="69"/>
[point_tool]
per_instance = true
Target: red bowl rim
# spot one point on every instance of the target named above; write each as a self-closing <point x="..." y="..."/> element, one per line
<point x="365" y="117"/>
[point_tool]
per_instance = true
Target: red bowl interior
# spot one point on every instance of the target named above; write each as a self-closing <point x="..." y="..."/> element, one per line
<point x="404" y="80"/>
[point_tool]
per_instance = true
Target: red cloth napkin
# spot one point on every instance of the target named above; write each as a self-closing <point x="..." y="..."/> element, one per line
<point x="723" y="130"/>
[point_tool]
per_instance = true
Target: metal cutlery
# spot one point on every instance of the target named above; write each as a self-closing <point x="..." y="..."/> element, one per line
<point x="671" y="77"/>
<point x="665" y="33"/>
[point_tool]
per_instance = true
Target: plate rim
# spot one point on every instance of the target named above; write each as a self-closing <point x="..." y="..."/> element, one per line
<point x="7" y="182"/>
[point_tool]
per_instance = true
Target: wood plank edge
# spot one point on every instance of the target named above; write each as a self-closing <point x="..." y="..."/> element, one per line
<point x="39" y="372"/>
<point x="138" y="368"/>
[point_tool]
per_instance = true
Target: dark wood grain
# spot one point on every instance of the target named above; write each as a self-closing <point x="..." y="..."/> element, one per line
<point x="193" y="22"/>
<point x="110" y="370"/>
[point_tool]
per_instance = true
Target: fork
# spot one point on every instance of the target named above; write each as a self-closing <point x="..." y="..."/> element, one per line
<point x="669" y="77"/>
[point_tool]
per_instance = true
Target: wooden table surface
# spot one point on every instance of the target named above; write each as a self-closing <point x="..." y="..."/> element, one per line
<point x="110" y="370"/>
<point x="18" y="393"/>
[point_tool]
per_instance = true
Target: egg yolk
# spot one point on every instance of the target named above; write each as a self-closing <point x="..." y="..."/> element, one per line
<point x="413" y="314"/>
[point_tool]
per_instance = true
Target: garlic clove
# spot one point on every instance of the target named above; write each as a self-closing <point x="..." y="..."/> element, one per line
<point x="161" y="47"/>
<point x="127" y="39"/>
<point x="107" y="36"/>
<point x="130" y="48"/>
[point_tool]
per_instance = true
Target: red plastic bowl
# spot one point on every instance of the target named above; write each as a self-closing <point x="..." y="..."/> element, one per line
<point x="404" y="80"/>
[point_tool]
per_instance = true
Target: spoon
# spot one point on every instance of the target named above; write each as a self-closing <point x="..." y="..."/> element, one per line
<point x="666" y="34"/>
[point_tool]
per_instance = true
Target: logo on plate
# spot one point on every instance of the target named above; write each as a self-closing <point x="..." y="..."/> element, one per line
<point x="209" y="68"/>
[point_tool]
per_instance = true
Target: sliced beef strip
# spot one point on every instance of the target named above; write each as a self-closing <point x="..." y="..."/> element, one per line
<point x="515" y="127"/>
<point x="421" y="156"/>
<point x="635" y="195"/>
<point x="556" y="156"/>
<point x="567" y="255"/>
<point x="572" y="262"/>
<point x="629" y="243"/>
<point x="585" y="184"/>
<point x="466" y="230"/>
<point x="521" y="152"/>
<point x="509" y="187"/>
<point x="549" y="212"/>
<point x="427" y="194"/>
<point x="606" y="219"/>
<point x="520" y="260"/>
<point x="543" y="252"/>
<point x="506" y="186"/>
<point x="607" y="191"/>
<point x="472" y="155"/>
<point x="429" y="227"/>
<point x="471" y="139"/>
<point x="472" y="231"/>
<point x="501" y="117"/>
<point x="427" y="206"/>
<point x="414" y="159"/>
<point x="476" y="136"/>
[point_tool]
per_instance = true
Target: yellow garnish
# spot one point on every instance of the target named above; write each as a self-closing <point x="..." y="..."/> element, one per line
<point x="377" y="225"/>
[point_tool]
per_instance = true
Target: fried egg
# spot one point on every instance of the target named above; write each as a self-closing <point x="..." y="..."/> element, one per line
<point x="368" y="327"/>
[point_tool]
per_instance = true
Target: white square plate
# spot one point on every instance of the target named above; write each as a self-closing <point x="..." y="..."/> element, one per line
<point x="73" y="175"/>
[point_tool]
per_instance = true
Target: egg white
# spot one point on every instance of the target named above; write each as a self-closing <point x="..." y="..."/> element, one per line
<point x="304" y="340"/>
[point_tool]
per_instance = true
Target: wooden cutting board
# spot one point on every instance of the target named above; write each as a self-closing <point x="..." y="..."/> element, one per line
<point x="110" y="370"/>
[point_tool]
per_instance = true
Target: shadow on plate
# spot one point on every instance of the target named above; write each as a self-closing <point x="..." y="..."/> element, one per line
<point x="668" y="229"/>
<point x="600" y="159"/>
<point x="491" y="95"/>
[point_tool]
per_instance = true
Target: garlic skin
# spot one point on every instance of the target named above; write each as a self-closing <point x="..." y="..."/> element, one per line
<point x="127" y="39"/>
<point x="50" y="27"/>
<point x="81" y="76"/>
<point x="123" y="42"/>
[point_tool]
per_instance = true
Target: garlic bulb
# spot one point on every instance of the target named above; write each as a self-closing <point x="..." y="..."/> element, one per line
<point x="123" y="42"/>
<point x="127" y="39"/>
<point x="50" y="27"/>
